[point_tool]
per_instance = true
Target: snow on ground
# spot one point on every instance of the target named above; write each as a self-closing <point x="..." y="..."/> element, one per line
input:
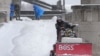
<point x="27" y="38"/>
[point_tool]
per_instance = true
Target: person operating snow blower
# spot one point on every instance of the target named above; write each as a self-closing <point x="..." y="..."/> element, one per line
<point x="61" y="26"/>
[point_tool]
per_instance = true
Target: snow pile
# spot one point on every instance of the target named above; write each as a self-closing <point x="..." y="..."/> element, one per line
<point x="30" y="38"/>
<point x="7" y="33"/>
<point x="36" y="39"/>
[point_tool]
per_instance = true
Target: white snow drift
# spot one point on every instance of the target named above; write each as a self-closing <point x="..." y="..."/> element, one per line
<point x="27" y="38"/>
